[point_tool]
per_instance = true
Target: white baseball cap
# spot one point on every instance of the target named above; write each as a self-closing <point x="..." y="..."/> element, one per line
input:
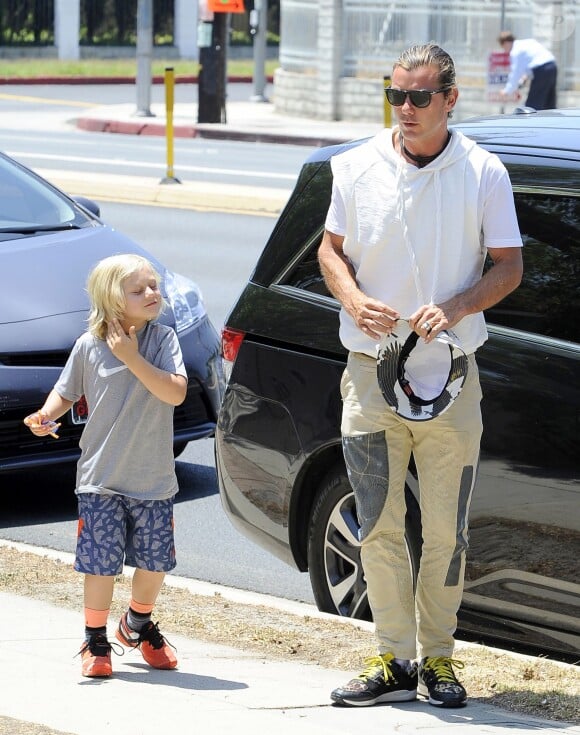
<point x="420" y="381"/>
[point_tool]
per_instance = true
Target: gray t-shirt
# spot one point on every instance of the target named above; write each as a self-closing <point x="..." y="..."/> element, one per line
<point x="127" y="442"/>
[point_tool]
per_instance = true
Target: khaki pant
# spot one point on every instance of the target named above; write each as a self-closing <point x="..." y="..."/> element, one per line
<point x="377" y="446"/>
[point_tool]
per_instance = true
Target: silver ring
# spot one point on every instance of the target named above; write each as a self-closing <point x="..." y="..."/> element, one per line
<point x="426" y="326"/>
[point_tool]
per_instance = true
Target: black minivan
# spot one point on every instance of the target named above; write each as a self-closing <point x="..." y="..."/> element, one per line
<point x="278" y="450"/>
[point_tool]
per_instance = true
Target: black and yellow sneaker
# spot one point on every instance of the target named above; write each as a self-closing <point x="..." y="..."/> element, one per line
<point x="383" y="680"/>
<point x="438" y="682"/>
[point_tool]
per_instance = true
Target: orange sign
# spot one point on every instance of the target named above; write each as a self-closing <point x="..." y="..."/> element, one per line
<point x="226" y="6"/>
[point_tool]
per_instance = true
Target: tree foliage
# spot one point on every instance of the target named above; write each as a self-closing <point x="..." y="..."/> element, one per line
<point x="112" y="22"/>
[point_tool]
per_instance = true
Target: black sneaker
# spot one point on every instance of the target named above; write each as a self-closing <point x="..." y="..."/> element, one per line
<point x="438" y="682"/>
<point x="383" y="680"/>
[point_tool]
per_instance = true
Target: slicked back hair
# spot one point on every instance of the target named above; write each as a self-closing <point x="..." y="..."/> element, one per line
<point x="428" y="54"/>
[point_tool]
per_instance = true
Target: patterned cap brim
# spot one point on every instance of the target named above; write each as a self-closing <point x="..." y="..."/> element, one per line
<point x="442" y="365"/>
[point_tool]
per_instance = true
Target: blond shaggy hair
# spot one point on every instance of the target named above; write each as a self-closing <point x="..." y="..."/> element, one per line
<point x="105" y="289"/>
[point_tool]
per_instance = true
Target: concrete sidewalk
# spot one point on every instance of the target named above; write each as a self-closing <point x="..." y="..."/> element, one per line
<point x="145" y="190"/>
<point x="217" y="689"/>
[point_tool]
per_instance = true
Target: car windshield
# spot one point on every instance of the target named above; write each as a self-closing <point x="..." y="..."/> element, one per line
<point x="28" y="205"/>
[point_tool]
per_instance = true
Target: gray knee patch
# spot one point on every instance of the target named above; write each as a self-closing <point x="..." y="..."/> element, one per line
<point x="367" y="465"/>
<point x="467" y="482"/>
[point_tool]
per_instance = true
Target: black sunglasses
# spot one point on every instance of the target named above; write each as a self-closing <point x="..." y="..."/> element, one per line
<point x="418" y="97"/>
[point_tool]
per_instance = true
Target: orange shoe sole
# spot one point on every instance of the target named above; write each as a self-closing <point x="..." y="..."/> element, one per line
<point x="162" y="658"/>
<point x="96" y="666"/>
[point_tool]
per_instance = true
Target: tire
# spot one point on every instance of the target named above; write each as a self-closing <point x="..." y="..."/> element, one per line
<point x="334" y="564"/>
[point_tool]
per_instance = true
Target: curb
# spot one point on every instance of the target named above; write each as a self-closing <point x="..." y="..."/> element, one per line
<point x="137" y="127"/>
<point x="157" y="79"/>
<point x="206" y="131"/>
<point x="209" y="131"/>
<point x="210" y="589"/>
<point x="202" y="196"/>
<point x="259" y="599"/>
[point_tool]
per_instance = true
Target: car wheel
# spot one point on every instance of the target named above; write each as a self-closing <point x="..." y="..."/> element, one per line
<point x="334" y="563"/>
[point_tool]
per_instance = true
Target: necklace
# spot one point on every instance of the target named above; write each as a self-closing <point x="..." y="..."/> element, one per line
<point x="423" y="161"/>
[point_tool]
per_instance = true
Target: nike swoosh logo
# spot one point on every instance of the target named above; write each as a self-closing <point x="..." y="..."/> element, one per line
<point x="106" y="372"/>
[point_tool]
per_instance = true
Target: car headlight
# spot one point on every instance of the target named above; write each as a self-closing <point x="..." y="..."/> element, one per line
<point x="185" y="299"/>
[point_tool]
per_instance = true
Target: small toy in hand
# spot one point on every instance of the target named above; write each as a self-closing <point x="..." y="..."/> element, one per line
<point x="33" y="422"/>
<point x="54" y="426"/>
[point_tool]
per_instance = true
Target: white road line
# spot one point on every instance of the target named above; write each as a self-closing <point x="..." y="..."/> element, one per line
<point x="153" y="165"/>
<point x="49" y="100"/>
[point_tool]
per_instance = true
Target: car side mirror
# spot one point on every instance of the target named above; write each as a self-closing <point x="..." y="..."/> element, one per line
<point x="92" y="207"/>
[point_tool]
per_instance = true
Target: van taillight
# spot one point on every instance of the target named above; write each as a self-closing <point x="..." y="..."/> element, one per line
<point x="231" y="342"/>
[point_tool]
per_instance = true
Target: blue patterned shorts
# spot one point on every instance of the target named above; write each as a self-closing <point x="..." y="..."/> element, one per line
<point x="114" y="530"/>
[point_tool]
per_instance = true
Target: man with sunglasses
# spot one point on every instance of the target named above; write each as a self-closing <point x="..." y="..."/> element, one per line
<point x="414" y="211"/>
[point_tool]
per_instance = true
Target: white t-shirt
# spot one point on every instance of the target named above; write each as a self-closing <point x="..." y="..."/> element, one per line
<point x="419" y="235"/>
<point x="525" y="56"/>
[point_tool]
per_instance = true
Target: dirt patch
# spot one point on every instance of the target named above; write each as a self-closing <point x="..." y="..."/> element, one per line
<point x="531" y="686"/>
<point x="8" y="726"/>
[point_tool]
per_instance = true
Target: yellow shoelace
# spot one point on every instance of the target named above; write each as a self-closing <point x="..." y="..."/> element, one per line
<point x="443" y="667"/>
<point x="377" y="662"/>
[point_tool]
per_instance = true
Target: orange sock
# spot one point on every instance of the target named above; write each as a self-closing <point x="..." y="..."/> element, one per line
<point x="141" y="607"/>
<point x="96" y="618"/>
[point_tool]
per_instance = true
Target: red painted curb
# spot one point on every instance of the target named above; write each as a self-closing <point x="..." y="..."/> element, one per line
<point x="180" y="79"/>
<point x="144" y="127"/>
<point x="130" y="127"/>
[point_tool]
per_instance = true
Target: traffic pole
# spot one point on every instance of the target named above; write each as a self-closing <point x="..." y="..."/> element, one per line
<point x="387" y="112"/>
<point x="169" y="79"/>
<point x="259" y="31"/>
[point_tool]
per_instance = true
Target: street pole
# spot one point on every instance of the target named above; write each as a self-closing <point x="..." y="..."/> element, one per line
<point x="211" y="86"/>
<point x="259" y="30"/>
<point x="144" y="56"/>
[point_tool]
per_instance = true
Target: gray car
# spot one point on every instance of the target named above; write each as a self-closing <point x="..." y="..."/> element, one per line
<point x="48" y="244"/>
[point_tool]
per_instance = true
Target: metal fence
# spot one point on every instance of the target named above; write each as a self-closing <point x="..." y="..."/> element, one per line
<point x="299" y="35"/>
<point x="375" y="31"/>
<point x="466" y="30"/>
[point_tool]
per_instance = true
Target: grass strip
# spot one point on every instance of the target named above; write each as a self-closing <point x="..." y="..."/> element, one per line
<point x="29" y="68"/>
